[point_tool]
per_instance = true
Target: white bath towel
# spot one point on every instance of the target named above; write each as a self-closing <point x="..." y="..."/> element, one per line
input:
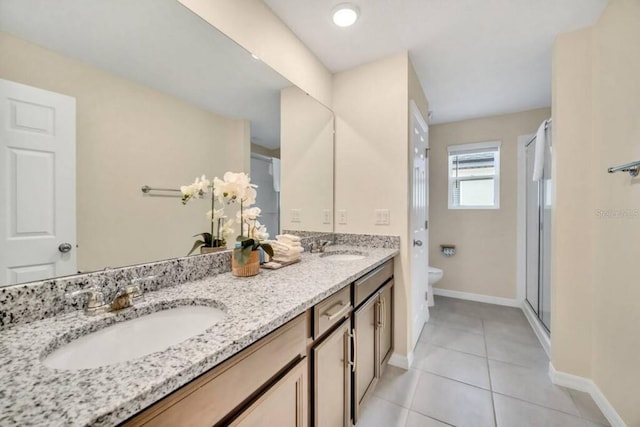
<point x="541" y="142"/>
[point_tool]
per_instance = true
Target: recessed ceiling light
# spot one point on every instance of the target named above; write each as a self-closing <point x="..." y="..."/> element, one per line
<point x="345" y="15"/>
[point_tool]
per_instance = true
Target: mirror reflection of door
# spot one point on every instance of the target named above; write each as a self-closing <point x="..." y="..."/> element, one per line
<point x="265" y="173"/>
<point x="37" y="184"/>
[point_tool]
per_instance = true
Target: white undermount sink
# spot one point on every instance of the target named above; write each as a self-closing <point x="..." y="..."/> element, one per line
<point x="343" y="257"/>
<point x="134" y="338"/>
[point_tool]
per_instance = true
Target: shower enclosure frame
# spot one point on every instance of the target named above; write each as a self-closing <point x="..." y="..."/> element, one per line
<point x="541" y="330"/>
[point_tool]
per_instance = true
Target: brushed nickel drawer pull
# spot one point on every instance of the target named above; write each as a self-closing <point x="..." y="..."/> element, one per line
<point x="333" y="315"/>
<point x="379" y="311"/>
<point x="384" y="312"/>
<point x="355" y="350"/>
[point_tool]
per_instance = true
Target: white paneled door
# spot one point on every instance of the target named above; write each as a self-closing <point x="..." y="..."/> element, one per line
<point x="37" y="184"/>
<point x="419" y="225"/>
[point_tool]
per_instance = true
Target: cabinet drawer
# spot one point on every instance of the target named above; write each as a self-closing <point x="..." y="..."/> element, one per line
<point x="331" y="311"/>
<point x="214" y="395"/>
<point x="367" y="285"/>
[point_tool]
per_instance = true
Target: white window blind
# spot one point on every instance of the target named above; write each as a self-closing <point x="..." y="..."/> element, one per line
<point x="474" y="175"/>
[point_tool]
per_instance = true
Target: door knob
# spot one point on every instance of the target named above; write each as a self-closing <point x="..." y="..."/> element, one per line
<point x="417" y="243"/>
<point x="65" y="247"/>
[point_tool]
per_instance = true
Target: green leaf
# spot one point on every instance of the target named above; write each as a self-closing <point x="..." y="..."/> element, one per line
<point x="241" y="238"/>
<point x="248" y="243"/>
<point x="196" y="245"/>
<point x="207" y="237"/>
<point x="267" y="248"/>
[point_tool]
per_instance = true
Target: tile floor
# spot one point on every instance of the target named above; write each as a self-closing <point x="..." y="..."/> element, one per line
<point x="477" y="365"/>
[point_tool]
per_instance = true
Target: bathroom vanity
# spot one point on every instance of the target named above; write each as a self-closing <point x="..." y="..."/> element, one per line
<point x="313" y="335"/>
<point x="316" y="367"/>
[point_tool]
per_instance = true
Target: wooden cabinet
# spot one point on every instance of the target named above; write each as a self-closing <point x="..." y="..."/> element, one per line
<point x="365" y="319"/>
<point x="284" y="404"/>
<point x="373" y="329"/>
<point x="221" y="392"/>
<point x="385" y="325"/>
<point x="332" y="379"/>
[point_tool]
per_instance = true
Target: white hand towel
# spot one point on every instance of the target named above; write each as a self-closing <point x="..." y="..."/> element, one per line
<point x="289" y="237"/>
<point x="275" y="169"/>
<point x="541" y="142"/>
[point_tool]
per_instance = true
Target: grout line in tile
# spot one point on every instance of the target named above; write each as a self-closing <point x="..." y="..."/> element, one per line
<point x="459" y="351"/>
<point x="429" y="416"/>
<point x="458" y="381"/>
<point x="542" y="406"/>
<point x="517" y="364"/>
<point x="493" y="403"/>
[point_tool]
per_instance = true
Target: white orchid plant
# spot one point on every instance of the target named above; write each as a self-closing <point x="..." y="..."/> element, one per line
<point x="220" y="228"/>
<point x="237" y="188"/>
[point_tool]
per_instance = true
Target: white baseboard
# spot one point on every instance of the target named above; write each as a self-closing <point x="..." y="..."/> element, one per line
<point x="538" y="329"/>
<point x="400" y="361"/>
<point x="587" y="385"/>
<point x="476" y="297"/>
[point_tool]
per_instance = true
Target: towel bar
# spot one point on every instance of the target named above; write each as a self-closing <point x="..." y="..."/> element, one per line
<point x="147" y="190"/>
<point x="633" y="168"/>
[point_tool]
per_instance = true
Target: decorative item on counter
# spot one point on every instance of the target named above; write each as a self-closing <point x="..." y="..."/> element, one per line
<point x="216" y="239"/>
<point x="448" y="250"/>
<point x="287" y="249"/>
<point x="237" y="188"/>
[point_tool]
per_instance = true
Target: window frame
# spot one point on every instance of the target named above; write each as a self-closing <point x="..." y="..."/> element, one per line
<point x="475" y="147"/>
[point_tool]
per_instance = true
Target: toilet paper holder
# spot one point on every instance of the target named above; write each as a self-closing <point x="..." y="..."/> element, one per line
<point x="448" y="250"/>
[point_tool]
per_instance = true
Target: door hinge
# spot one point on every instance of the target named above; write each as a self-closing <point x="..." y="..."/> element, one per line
<point x="426" y="152"/>
<point x="426" y="225"/>
<point x="426" y="295"/>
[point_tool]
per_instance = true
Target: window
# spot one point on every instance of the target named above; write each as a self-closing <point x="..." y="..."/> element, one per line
<point x="474" y="176"/>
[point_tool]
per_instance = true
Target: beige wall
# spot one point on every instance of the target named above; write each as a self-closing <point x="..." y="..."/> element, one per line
<point x="129" y="135"/>
<point x="307" y="161"/>
<point x="252" y="25"/>
<point x="598" y="127"/>
<point x="485" y="239"/>
<point x="371" y="103"/>
<point x="572" y="219"/>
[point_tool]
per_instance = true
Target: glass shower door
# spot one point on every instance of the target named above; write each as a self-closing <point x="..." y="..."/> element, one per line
<point x="538" y="236"/>
<point x="533" y="232"/>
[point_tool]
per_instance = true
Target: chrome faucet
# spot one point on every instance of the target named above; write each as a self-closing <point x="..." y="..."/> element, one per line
<point x="318" y="247"/>
<point x="124" y="298"/>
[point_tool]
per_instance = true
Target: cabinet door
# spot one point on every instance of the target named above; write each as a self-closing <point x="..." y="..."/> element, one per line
<point x="332" y="379"/>
<point x="365" y="350"/>
<point x="283" y="405"/>
<point x="385" y="324"/>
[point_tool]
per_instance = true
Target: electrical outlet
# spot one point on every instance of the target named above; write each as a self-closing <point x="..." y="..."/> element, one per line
<point x="342" y="216"/>
<point x="296" y="215"/>
<point x="382" y="216"/>
<point x="326" y="216"/>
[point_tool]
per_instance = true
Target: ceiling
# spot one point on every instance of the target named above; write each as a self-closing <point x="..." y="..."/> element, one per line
<point x="160" y="44"/>
<point x="474" y="58"/>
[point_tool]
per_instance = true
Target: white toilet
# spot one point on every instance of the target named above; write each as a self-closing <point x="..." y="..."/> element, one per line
<point x="435" y="274"/>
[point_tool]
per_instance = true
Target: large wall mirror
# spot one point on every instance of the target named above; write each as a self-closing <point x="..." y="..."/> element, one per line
<point x="100" y="98"/>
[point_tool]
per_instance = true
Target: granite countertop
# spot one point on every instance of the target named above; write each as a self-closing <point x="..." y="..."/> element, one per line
<point x="33" y="394"/>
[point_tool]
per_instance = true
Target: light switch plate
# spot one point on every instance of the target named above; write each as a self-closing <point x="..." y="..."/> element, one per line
<point x="326" y="216"/>
<point x="382" y="216"/>
<point x="296" y="215"/>
<point x="342" y="216"/>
